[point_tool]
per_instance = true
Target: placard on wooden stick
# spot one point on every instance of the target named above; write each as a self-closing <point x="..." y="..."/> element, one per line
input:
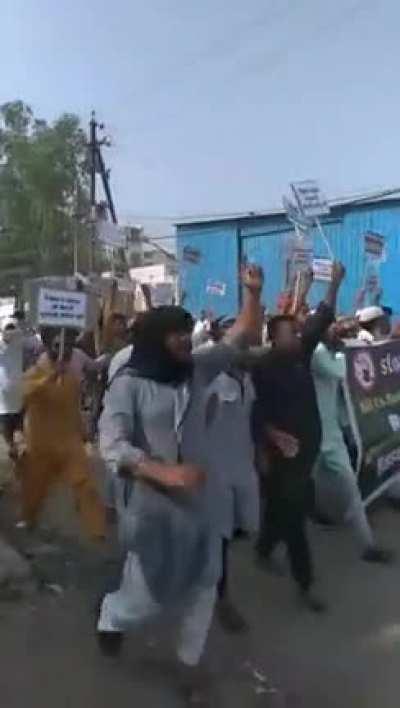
<point x="61" y="309"/>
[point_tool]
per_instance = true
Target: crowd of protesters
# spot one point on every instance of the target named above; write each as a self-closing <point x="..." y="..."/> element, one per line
<point x="208" y="429"/>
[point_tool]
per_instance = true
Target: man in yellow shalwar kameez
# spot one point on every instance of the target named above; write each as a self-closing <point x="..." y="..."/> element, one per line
<point x="55" y="450"/>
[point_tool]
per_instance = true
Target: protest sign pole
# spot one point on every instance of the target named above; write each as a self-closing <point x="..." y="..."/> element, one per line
<point x="311" y="203"/>
<point x="61" y="350"/>
<point x="296" y="293"/>
<point x="324" y="238"/>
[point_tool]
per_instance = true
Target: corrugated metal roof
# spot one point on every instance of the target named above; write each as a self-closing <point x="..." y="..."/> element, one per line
<point x="218" y="248"/>
<point x="354" y="199"/>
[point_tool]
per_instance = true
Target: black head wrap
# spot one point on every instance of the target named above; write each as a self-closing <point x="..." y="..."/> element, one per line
<point x="150" y="356"/>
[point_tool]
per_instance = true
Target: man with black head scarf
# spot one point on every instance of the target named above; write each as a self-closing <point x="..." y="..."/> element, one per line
<point x="151" y="432"/>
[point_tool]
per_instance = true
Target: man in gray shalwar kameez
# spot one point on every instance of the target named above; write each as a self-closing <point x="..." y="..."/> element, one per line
<point x="232" y="481"/>
<point x="151" y="432"/>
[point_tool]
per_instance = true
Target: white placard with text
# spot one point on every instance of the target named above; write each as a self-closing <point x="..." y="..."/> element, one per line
<point x="61" y="308"/>
<point x="310" y="200"/>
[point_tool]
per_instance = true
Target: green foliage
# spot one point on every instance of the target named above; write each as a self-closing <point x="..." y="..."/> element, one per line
<point x="43" y="188"/>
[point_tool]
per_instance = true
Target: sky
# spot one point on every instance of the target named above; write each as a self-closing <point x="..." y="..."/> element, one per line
<point x="215" y="106"/>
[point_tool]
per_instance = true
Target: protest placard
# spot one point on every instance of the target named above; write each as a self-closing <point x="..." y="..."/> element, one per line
<point x="322" y="269"/>
<point x="374" y="244"/>
<point x="373" y="378"/>
<point x="61" y="308"/>
<point x="216" y="288"/>
<point x="191" y="255"/>
<point x="311" y="202"/>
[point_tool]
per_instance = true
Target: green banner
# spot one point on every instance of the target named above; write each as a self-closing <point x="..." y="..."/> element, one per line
<point x="373" y="375"/>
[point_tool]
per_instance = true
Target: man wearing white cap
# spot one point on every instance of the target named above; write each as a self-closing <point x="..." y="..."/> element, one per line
<point x="374" y="324"/>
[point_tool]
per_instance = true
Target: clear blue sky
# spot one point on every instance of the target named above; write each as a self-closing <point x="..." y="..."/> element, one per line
<point x="216" y="105"/>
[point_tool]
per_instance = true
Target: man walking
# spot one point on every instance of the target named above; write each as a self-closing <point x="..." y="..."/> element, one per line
<point x="334" y="465"/>
<point x="288" y="428"/>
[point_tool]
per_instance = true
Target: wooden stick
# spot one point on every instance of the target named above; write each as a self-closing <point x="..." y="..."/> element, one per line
<point x="61" y="350"/>
<point x="325" y="239"/>
<point x="296" y="292"/>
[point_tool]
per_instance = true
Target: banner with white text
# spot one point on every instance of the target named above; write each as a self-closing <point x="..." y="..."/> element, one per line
<point x="373" y="374"/>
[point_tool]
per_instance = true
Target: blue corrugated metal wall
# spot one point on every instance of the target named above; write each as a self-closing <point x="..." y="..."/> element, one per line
<point x="271" y="252"/>
<point x="264" y="240"/>
<point x="217" y="247"/>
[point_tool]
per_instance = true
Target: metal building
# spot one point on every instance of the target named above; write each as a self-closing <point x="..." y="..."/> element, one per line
<point x="210" y="252"/>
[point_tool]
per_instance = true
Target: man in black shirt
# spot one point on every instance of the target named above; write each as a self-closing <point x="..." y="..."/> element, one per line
<point x="287" y="427"/>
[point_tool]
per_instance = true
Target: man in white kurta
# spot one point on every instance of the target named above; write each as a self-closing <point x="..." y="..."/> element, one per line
<point x="11" y="370"/>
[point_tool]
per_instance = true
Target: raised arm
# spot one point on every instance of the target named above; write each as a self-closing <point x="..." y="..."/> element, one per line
<point x="300" y="292"/>
<point x="317" y="324"/>
<point x="248" y="325"/>
<point x="246" y="330"/>
<point x="338" y="273"/>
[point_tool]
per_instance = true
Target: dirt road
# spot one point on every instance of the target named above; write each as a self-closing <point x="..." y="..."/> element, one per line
<point x="349" y="658"/>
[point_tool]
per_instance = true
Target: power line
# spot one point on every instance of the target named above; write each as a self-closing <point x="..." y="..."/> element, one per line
<point x="171" y="237"/>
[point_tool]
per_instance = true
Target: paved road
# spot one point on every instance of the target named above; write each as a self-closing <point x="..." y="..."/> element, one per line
<point x="347" y="659"/>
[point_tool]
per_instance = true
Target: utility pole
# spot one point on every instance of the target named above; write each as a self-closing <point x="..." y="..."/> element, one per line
<point x="76" y="229"/>
<point x="92" y="153"/>
<point x="75" y="246"/>
<point x="97" y="165"/>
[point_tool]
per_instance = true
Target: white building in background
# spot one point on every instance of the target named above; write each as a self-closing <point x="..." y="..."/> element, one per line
<point x="161" y="279"/>
<point x="7" y="308"/>
<point x="154" y="274"/>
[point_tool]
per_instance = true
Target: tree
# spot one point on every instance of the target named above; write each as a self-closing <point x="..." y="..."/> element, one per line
<point x="43" y="191"/>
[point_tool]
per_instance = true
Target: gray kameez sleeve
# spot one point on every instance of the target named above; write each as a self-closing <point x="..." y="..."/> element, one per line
<point x="210" y="361"/>
<point x="117" y="425"/>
